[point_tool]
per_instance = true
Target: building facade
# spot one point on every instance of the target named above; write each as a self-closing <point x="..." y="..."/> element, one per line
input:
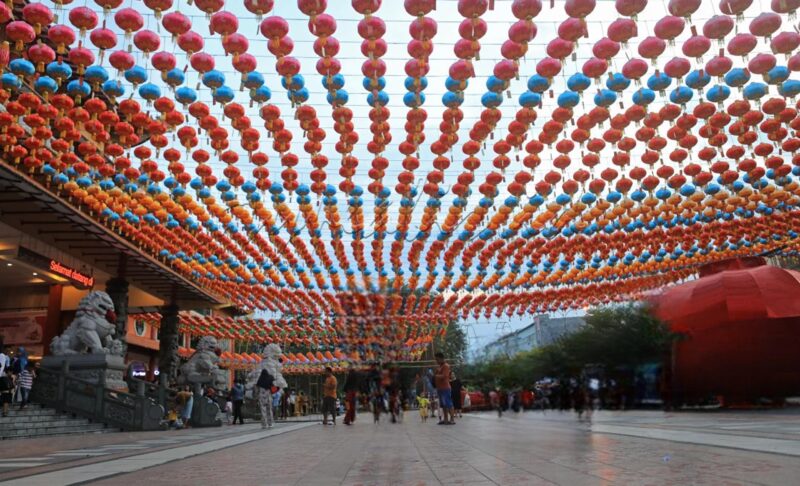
<point x="544" y="330"/>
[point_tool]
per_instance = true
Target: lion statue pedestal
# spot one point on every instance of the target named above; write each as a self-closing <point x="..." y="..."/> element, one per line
<point x="88" y="347"/>
<point x="199" y="371"/>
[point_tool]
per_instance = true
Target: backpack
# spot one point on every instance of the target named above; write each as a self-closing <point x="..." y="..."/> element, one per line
<point x="5" y="384"/>
<point x="265" y="380"/>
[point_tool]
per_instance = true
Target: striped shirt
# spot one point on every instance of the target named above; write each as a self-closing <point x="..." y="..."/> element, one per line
<point x="26" y="379"/>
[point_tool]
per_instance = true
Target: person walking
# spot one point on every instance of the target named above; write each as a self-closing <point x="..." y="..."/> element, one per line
<point x="351" y="386"/>
<point x="237" y="397"/>
<point x="455" y="387"/>
<point x="18" y="365"/>
<point x="25" y="383"/>
<point x="277" y="398"/>
<point x="5" y="361"/>
<point x="6" y="389"/>
<point x="264" y="389"/>
<point x="494" y="400"/>
<point x="329" y="396"/>
<point x="185" y="399"/>
<point x="442" y="379"/>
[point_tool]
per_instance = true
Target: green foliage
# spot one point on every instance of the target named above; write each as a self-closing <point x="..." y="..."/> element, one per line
<point x="453" y="344"/>
<point x="617" y="338"/>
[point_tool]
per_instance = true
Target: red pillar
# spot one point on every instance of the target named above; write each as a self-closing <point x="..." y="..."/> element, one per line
<point x="52" y="326"/>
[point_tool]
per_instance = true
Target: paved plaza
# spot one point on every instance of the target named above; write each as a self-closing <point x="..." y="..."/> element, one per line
<point x="632" y="448"/>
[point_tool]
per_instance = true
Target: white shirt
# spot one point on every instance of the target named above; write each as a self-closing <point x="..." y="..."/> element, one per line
<point x="3" y="363"/>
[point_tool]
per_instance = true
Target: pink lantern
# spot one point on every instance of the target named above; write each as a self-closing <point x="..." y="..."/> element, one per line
<point x="312" y="8"/>
<point x="785" y="43"/>
<point x="762" y="63"/>
<point x="147" y="41"/>
<point x="324" y="25"/>
<point x="259" y="7"/>
<point x="696" y="46"/>
<point x="742" y="44"/>
<point x="235" y="44"/>
<point x="20" y="33"/>
<point x="572" y="29"/>
<point x="158" y="6"/>
<point x="677" y="67"/>
<point x="274" y="27"/>
<point x="83" y="18"/>
<point x="224" y="24"/>
<point x="129" y="20"/>
<point x="634" y="69"/>
<point x="41" y="54"/>
<point x="201" y="62"/>
<point x="718" y="66"/>
<point x="424" y="28"/>
<point x="121" y="60"/>
<point x="765" y="24"/>
<point x="210" y="6"/>
<point x="522" y="31"/>
<point x="176" y="24"/>
<point x="605" y="48"/>
<point x="579" y="8"/>
<point x="38" y="15"/>
<point x="630" y="8"/>
<point x="548" y="67"/>
<point x="62" y="36"/>
<point x="683" y="8"/>
<point x="595" y="67"/>
<point x="717" y="27"/>
<point x="622" y="30"/>
<point x="165" y="61"/>
<point x="560" y="48"/>
<point x="785" y="6"/>
<point x="652" y="47"/>
<point x="190" y="42"/>
<point x="526" y="9"/>
<point x="245" y="63"/>
<point x="734" y="7"/>
<point x="472" y="8"/>
<point x="668" y="28"/>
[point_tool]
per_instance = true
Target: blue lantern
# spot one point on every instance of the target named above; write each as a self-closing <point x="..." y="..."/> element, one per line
<point x="113" y="88"/>
<point x="149" y="92"/>
<point x="253" y="80"/>
<point x="568" y="99"/>
<point x="185" y="95"/>
<point x="578" y="82"/>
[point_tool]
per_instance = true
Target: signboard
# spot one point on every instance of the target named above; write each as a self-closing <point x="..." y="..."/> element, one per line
<point x="78" y="278"/>
<point x="22" y="328"/>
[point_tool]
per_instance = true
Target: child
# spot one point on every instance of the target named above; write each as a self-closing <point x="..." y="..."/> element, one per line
<point x="229" y="410"/>
<point x="6" y="389"/>
<point x="423" y="408"/>
<point x="25" y="382"/>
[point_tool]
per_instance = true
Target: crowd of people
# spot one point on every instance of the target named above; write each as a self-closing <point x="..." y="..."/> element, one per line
<point x="16" y="378"/>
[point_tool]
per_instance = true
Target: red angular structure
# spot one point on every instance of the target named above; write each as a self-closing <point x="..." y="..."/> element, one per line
<point x="741" y="322"/>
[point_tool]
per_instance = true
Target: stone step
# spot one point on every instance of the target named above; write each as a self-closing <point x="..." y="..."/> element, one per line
<point x="55" y="430"/>
<point x="56" y="422"/>
<point x="30" y="411"/>
<point x="13" y="418"/>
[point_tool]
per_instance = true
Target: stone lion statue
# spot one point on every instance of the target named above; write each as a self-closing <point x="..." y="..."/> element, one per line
<point x="92" y="329"/>
<point x="202" y="369"/>
<point x="270" y="361"/>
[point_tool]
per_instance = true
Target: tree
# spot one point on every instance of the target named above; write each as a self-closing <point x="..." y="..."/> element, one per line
<point x="618" y="338"/>
<point x="453" y="344"/>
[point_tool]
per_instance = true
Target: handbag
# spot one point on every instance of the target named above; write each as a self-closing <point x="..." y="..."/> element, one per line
<point x="265" y="380"/>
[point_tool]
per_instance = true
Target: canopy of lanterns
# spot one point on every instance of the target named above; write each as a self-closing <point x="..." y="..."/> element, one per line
<point x="399" y="165"/>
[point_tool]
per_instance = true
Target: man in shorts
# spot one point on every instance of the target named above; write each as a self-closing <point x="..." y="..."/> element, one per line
<point x="442" y="381"/>
<point x="329" y="396"/>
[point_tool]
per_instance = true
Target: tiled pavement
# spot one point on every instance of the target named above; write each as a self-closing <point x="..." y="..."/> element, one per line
<point x="519" y="449"/>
